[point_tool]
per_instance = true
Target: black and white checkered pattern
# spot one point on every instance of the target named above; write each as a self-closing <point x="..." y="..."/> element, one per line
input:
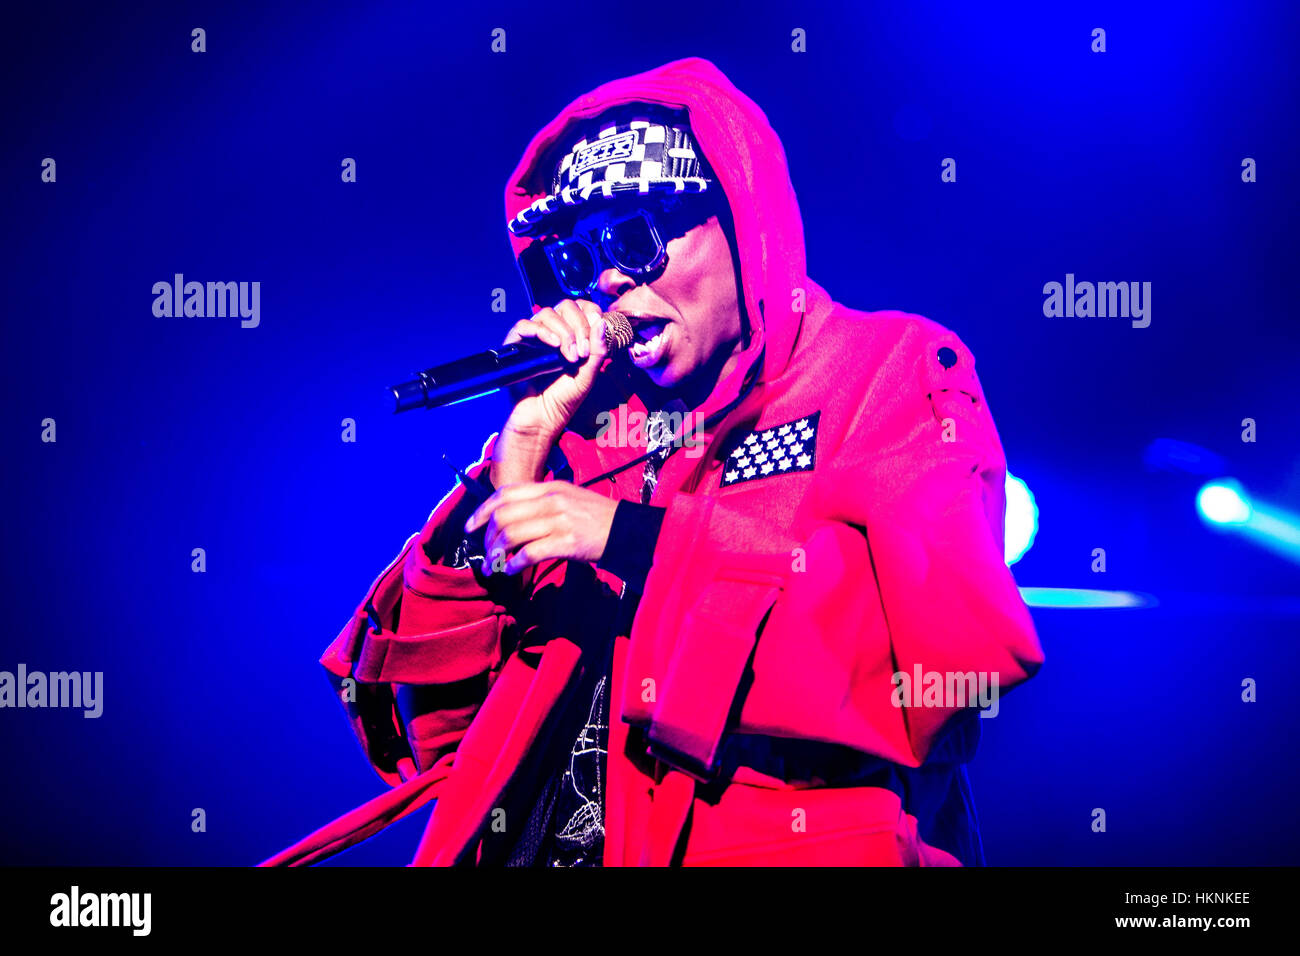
<point x="635" y="156"/>
<point x="779" y="450"/>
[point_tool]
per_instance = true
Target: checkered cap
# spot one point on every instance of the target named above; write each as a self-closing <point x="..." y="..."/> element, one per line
<point x="635" y="155"/>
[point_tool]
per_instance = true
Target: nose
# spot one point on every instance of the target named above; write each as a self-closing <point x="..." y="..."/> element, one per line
<point x="613" y="283"/>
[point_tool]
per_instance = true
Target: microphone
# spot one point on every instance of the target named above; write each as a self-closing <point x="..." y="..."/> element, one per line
<point x="495" y="369"/>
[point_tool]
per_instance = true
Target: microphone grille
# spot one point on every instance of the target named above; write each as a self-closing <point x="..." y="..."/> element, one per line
<point x="618" y="331"/>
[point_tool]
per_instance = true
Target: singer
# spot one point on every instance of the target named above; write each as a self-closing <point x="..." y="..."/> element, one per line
<point x="608" y="653"/>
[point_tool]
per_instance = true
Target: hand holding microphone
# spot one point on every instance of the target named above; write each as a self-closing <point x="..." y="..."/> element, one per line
<point x="574" y="337"/>
<point x="581" y="333"/>
<point x="527" y="520"/>
<point x="526" y="354"/>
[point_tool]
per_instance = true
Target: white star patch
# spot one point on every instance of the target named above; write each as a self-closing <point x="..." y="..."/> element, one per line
<point x="780" y="450"/>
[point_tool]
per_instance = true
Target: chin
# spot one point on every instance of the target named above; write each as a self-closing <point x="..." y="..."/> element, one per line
<point x="669" y="376"/>
<point x="666" y="377"/>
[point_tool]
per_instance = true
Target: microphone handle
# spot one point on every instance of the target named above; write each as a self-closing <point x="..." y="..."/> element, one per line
<point x="489" y="371"/>
<point x="478" y="375"/>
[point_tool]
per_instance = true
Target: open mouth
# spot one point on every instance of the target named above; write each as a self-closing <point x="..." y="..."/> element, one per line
<point x="648" y="346"/>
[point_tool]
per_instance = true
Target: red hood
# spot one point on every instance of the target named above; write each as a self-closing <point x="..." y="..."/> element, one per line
<point x="749" y="161"/>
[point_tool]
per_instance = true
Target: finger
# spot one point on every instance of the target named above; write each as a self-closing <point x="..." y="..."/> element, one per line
<point x="534" y="552"/>
<point x="564" y="338"/>
<point x="596" y="322"/>
<point x="530" y="328"/>
<point x="578" y="323"/>
<point x="521" y="491"/>
<point x="552" y="330"/>
<point x="524" y="508"/>
<point x="500" y="527"/>
<point x="517" y="534"/>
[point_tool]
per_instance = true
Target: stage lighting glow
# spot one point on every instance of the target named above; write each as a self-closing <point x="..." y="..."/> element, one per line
<point x="1169" y="454"/>
<point x="1223" y="502"/>
<point x="1021" y="525"/>
<point x="1085" y="597"/>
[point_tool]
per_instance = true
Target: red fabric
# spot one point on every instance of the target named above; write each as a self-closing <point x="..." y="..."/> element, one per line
<point x="887" y="554"/>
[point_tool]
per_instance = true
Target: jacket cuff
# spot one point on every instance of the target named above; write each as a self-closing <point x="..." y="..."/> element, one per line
<point x="633" y="535"/>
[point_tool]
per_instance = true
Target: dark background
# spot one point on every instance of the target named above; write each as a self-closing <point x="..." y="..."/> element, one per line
<point x="183" y="433"/>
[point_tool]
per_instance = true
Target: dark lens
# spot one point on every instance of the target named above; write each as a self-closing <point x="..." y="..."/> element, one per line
<point x="631" y="243"/>
<point x="539" y="276"/>
<point x="573" y="265"/>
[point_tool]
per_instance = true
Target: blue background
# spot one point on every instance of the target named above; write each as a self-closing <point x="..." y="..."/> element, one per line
<point x="183" y="433"/>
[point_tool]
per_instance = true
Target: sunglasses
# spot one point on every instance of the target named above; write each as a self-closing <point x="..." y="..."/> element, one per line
<point x="634" y="243"/>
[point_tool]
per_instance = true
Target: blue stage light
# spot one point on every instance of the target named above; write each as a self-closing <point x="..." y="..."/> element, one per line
<point x="1085" y="597"/>
<point x="1223" y="502"/>
<point x="1021" y="525"/>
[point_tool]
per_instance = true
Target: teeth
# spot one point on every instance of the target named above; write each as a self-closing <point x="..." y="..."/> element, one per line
<point x="647" y="333"/>
<point x="646" y="345"/>
<point x="645" y="354"/>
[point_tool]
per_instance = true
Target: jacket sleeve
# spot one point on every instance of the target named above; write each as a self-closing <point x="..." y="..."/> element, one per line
<point x="633" y="535"/>
<point x="897" y="562"/>
<point x="428" y="636"/>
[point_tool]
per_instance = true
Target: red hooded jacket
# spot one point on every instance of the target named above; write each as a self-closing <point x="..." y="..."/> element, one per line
<point x="777" y="608"/>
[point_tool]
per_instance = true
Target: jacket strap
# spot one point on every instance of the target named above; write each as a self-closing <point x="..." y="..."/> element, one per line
<point x="366" y="820"/>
